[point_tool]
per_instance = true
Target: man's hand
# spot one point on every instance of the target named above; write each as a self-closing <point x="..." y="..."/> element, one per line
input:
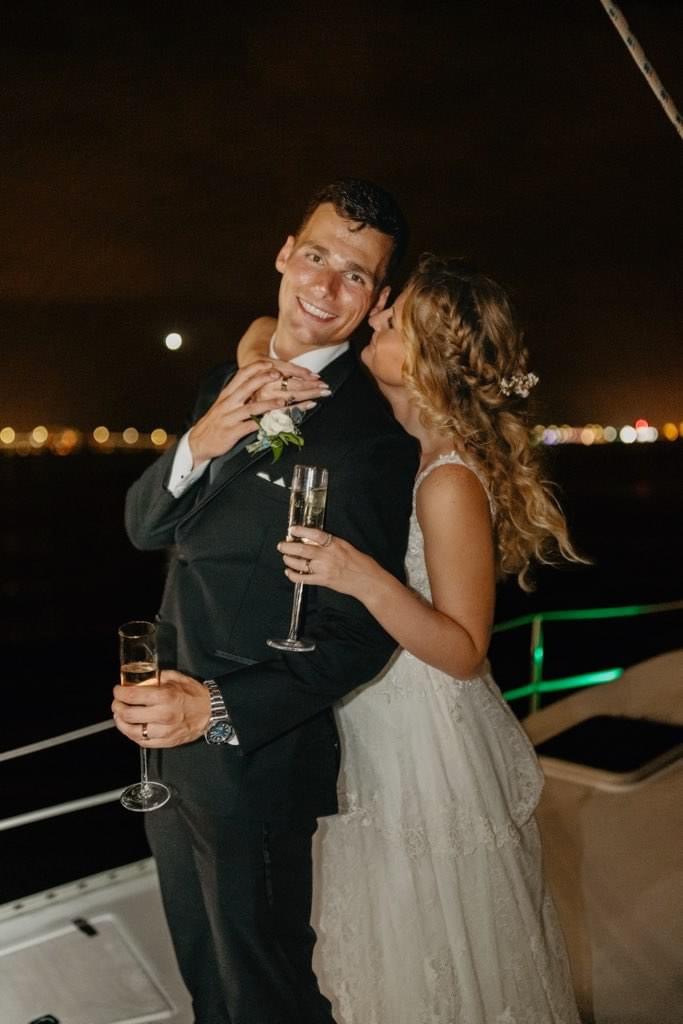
<point x="176" y="712"/>
<point x="230" y="418"/>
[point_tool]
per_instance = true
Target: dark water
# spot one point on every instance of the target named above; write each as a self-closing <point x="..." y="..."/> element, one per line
<point x="69" y="576"/>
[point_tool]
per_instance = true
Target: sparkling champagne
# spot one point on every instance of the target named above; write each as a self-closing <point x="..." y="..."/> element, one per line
<point x="139" y="673"/>
<point x="307" y="508"/>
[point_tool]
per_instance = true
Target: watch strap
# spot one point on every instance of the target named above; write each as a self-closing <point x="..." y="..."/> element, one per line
<point x="218" y="708"/>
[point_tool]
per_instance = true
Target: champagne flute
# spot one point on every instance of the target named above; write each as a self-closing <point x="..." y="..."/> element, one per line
<point x="306" y="508"/>
<point x="140" y="667"/>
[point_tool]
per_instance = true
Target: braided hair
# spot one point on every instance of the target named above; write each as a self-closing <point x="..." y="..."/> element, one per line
<point x="463" y="348"/>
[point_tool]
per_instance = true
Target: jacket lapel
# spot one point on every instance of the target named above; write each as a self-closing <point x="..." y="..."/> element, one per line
<point x="334" y="375"/>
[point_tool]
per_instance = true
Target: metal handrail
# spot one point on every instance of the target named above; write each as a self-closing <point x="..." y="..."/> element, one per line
<point x="576" y="614"/>
<point x="538" y="685"/>
<point x="533" y="690"/>
<point x="55" y="741"/>
<point x="41" y="813"/>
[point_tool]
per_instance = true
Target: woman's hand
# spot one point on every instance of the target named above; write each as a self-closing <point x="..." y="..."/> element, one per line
<point x="296" y="385"/>
<point x="326" y="561"/>
<point x="230" y="418"/>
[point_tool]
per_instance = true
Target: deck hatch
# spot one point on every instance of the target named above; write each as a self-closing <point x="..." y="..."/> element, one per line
<point x="80" y="978"/>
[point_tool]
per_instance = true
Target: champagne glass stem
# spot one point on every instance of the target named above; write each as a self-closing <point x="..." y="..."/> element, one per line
<point x="144" y="777"/>
<point x="296" y="611"/>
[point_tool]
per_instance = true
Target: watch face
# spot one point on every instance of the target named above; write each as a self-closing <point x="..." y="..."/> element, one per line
<point x="219" y="732"/>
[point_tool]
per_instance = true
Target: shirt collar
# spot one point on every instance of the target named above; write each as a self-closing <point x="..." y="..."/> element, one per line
<point x="314" y="360"/>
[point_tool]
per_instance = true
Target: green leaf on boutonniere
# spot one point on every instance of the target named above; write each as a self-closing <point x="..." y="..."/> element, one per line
<point x="277" y="429"/>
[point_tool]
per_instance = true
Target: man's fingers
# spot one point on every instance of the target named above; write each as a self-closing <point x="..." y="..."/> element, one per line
<point x="147" y="695"/>
<point x="129" y="715"/>
<point x="239" y="391"/>
<point x="234" y="410"/>
<point x="217" y="435"/>
<point x="243" y="378"/>
<point x="247" y="372"/>
<point x="249" y="389"/>
<point x="246" y="413"/>
<point x="160" y="737"/>
<point x="171" y="675"/>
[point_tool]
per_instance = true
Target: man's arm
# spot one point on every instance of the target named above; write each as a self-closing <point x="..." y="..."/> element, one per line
<point x="265" y="700"/>
<point x="219" y="421"/>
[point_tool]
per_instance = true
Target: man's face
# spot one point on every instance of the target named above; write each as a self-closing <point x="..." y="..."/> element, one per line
<point x="331" y="277"/>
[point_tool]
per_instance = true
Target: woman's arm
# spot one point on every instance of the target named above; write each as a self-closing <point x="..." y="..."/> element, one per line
<point x="453" y="633"/>
<point x="255" y="342"/>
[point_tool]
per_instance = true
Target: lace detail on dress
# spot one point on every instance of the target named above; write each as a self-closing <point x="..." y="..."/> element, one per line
<point x="433" y="906"/>
<point x="410" y="693"/>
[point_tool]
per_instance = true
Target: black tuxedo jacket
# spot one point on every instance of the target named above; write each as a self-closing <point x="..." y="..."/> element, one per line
<point x="226" y="593"/>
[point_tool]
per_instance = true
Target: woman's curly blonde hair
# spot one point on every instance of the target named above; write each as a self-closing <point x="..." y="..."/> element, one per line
<point x="462" y="342"/>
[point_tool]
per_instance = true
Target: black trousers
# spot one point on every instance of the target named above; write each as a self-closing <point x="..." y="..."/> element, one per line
<point x="237" y="896"/>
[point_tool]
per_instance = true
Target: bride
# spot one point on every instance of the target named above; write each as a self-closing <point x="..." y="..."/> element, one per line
<point x="433" y="905"/>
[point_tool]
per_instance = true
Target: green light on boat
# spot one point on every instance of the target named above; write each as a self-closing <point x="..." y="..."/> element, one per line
<point x="606" y="675"/>
<point x="577" y="614"/>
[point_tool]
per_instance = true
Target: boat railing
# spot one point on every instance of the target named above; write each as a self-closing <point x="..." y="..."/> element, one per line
<point x="55" y="810"/>
<point x="534" y="690"/>
<point x="537" y="685"/>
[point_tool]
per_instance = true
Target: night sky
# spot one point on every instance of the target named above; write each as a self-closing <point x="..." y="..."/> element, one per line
<point x="155" y="156"/>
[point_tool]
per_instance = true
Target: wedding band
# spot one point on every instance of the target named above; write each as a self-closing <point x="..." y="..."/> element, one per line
<point x="327" y="542"/>
<point x="283" y="384"/>
<point x="308" y="569"/>
<point x="145" y="734"/>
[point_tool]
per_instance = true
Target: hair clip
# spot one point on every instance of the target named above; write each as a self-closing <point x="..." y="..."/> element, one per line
<point x="518" y="384"/>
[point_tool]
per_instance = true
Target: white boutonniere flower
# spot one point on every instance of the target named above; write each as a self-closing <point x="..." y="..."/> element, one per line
<point x="276" y="429"/>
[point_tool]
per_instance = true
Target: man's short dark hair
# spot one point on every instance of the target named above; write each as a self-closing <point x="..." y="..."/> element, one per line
<point x="371" y="206"/>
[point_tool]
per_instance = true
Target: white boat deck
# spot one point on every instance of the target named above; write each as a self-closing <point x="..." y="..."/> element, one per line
<point x="614" y="857"/>
<point x="97" y="951"/>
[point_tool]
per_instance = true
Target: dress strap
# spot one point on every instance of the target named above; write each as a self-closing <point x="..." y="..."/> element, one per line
<point x="440" y="460"/>
<point x="454" y="459"/>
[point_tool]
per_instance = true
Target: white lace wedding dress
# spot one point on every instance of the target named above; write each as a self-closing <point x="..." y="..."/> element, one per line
<point x="431" y="904"/>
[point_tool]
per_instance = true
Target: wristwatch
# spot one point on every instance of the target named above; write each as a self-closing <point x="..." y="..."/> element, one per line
<point x="220" y="729"/>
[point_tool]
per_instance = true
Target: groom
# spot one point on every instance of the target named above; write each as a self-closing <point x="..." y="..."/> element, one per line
<point x="246" y="737"/>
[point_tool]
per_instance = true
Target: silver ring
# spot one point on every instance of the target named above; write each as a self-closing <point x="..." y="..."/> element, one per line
<point x="145" y="734"/>
<point x="283" y="384"/>
<point x="327" y="542"/>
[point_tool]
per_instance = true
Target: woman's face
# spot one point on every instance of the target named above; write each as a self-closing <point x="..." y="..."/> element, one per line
<point x="385" y="354"/>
